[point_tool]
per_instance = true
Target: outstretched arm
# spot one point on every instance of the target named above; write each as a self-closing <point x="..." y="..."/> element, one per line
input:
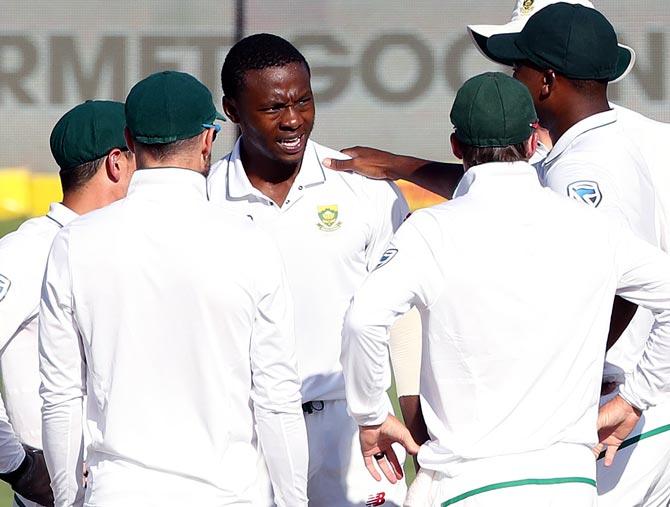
<point x="438" y="177"/>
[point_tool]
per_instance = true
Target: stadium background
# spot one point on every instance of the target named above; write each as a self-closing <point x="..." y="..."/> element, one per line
<point x="384" y="72"/>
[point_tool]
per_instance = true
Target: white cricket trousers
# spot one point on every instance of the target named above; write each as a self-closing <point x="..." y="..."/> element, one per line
<point x="640" y="473"/>
<point x="562" y="476"/>
<point x="337" y="473"/>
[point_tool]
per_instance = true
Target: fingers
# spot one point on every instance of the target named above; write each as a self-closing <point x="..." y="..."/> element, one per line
<point x="597" y="449"/>
<point x="395" y="463"/>
<point x="339" y="165"/>
<point x="386" y="468"/>
<point x="369" y="464"/>
<point x="351" y="152"/>
<point x="609" y="454"/>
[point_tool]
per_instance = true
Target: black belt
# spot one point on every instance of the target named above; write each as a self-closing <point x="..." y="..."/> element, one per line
<point x="310" y="407"/>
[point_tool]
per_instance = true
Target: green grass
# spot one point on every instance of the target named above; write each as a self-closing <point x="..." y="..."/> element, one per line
<point x="5" y="492"/>
<point x="9" y="225"/>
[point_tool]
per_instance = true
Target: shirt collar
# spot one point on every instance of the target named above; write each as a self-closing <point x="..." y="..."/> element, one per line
<point x="497" y="176"/>
<point x="311" y="172"/>
<point x="61" y="214"/>
<point x="168" y="180"/>
<point x="592" y="122"/>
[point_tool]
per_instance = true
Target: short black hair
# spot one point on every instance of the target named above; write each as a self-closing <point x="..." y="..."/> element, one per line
<point x="256" y="52"/>
<point x="75" y="178"/>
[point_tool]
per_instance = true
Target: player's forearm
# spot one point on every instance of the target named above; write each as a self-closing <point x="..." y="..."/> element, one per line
<point x="283" y="438"/>
<point x="62" y="438"/>
<point x="365" y="364"/>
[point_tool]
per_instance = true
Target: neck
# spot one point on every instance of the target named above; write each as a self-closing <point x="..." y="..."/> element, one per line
<point x="272" y="178"/>
<point x="578" y="109"/>
<point x="85" y="200"/>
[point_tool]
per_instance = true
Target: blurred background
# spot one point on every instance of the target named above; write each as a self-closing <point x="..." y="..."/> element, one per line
<point x="384" y="72"/>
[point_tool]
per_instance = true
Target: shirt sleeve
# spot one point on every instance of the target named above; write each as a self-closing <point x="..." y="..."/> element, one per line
<point x="19" y="298"/>
<point x="11" y="450"/>
<point x="407" y="274"/>
<point x="644" y="279"/>
<point x="589" y="184"/>
<point x="390" y="210"/>
<point x="62" y="368"/>
<point x="276" y="385"/>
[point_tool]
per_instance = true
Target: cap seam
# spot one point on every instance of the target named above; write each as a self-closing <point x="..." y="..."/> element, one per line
<point x="502" y="107"/>
<point x="471" y="109"/>
<point x="567" y="42"/>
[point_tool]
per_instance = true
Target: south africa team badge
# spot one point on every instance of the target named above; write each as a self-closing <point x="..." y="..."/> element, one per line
<point x="328" y="218"/>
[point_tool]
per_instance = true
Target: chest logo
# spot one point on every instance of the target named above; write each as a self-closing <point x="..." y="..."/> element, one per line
<point x="386" y="257"/>
<point x="5" y="284"/>
<point x="328" y="217"/>
<point x="585" y="191"/>
<point x="527" y="6"/>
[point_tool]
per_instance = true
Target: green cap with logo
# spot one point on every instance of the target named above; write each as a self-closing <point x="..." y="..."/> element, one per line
<point x="493" y="110"/>
<point x="169" y="106"/>
<point x="575" y="41"/>
<point x="88" y="132"/>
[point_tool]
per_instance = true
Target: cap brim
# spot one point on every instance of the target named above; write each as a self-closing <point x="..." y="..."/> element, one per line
<point x="625" y="63"/>
<point x="502" y="49"/>
<point x="219" y="116"/>
<point x="481" y="33"/>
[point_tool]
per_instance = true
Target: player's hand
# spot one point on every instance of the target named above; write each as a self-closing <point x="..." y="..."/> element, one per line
<point x="377" y="440"/>
<point x="370" y="162"/>
<point x="31" y="478"/>
<point x="616" y="419"/>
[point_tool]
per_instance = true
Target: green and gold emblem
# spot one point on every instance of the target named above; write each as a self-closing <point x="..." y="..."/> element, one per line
<point x="527" y="6"/>
<point x="328" y="217"/>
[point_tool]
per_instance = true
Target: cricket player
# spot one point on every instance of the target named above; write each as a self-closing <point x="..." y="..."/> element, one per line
<point x="331" y="229"/>
<point x="604" y="158"/>
<point x="516" y="322"/>
<point x="173" y="317"/>
<point x="95" y="167"/>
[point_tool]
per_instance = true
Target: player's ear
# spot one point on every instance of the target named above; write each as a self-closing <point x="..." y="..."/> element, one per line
<point x="531" y="145"/>
<point x="548" y="82"/>
<point x="113" y="162"/>
<point x="230" y="108"/>
<point x="456" y="147"/>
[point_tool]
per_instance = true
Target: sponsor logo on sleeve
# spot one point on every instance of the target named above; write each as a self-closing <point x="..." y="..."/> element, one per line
<point x="5" y="284"/>
<point x="386" y="257"/>
<point x="585" y="191"/>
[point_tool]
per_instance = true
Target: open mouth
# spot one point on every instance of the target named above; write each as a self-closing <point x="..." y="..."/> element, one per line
<point x="293" y="144"/>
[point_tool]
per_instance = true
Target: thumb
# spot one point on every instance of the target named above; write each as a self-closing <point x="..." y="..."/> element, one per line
<point x="339" y="165"/>
<point x="408" y="443"/>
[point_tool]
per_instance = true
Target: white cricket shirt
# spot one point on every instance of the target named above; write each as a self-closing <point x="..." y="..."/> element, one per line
<point x="600" y="162"/>
<point x="331" y="231"/>
<point x="23" y="258"/>
<point x="515" y="317"/>
<point x="173" y="316"/>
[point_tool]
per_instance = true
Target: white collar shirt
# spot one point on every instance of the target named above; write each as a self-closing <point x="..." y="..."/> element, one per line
<point x="173" y="316"/>
<point x="514" y="317"/>
<point x="331" y="230"/>
<point x="600" y="162"/>
<point x="23" y="258"/>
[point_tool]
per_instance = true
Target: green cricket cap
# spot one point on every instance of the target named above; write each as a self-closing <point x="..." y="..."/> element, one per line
<point x="88" y="132"/>
<point x="574" y="40"/>
<point x="493" y="109"/>
<point x="169" y="106"/>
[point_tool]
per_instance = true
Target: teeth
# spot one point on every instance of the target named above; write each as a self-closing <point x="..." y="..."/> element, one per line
<point x="290" y="143"/>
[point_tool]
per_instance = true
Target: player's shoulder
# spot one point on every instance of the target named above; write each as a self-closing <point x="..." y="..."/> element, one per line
<point x="356" y="182"/>
<point x="31" y="234"/>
